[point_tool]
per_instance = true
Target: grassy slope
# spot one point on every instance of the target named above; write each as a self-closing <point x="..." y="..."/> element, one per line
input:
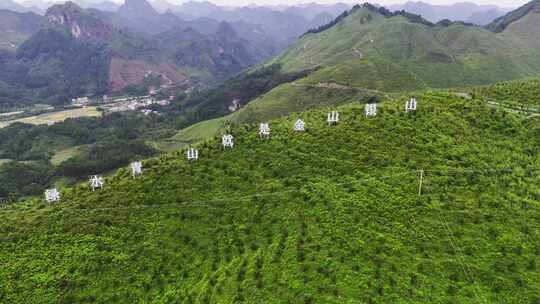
<point x="501" y="23"/>
<point x="65" y="154"/>
<point x="332" y="222"/>
<point x="416" y="55"/>
<point x="523" y="36"/>
<point x="285" y="99"/>
<point x="396" y="56"/>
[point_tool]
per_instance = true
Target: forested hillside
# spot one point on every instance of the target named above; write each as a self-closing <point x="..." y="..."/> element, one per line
<point x="331" y="215"/>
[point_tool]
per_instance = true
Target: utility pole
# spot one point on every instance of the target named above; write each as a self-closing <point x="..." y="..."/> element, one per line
<point x="421" y="180"/>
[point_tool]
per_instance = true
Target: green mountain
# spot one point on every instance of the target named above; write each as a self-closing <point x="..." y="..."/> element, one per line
<point x="368" y="53"/>
<point x="373" y="48"/>
<point x="331" y="215"/>
<point x="66" y="57"/>
<point x="461" y="11"/>
<point x="501" y="23"/>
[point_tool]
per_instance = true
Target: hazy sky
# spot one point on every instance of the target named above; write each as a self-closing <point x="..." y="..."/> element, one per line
<point x="501" y="3"/>
<point x="504" y="3"/>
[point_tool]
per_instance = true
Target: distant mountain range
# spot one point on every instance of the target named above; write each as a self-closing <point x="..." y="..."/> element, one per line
<point x="74" y="51"/>
<point x="16" y="27"/>
<point x="462" y="11"/>
<point x="41" y="6"/>
<point x="12" y="6"/>
<point x="417" y="53"/>
<point x="78" y="52"/>
<point x="369" y="51"/>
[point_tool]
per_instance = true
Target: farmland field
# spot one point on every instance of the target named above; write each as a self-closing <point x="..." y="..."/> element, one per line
<point x="65" y="154"/>
<point x="54" y="117"/>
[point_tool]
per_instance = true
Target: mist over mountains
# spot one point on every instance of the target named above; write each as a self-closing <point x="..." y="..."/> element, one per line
<point x="462" y="11"/>
<point x="73" y="51"/>
<point x="92" y="48"/>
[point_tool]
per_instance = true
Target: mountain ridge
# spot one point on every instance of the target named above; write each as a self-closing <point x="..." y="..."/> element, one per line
<point x="79" y="23"/>
<point x="12" y="6"/>
<point x="369" y="52"/>
<point x="460" y="11"/>
<point x="369" y="24"/>
<point x="501" y="23"/>
<point x="124" y="58"/>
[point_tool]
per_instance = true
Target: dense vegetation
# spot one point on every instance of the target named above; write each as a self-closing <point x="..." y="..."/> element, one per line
<point x="100" y="144"/>
<point x="23" y="178"/>
<point x="521" y="92"/>
<point x="104" y="144"/>
<point x="435" y="206"/>
<point x="331" y="215"/>
<point x="52" y="67"/>
<point x="207" y="104"/>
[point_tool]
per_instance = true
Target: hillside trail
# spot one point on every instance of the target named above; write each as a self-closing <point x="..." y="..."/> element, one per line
<point x="529" y="112"/>
<point x="337" y="86"/>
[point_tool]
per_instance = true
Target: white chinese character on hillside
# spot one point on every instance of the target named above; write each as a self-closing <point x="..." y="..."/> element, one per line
<point x="192" y="154"/>
<point x="264" y="130"/>
<point x="410" y="105"/>
<point x="333" y="117"/>
<point x="300" y="125"/>
<point x="136" y="168"/>
<point x="371" y="109"/>
<point x="227" y="141"/>
<point x="96" y="182"/>
<point x="52" y="195"/>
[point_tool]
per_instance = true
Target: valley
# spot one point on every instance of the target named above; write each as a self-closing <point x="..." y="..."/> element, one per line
<point x="400" y="53"/>
<point x="124" y="51"/>
<point x="53" y="117"/>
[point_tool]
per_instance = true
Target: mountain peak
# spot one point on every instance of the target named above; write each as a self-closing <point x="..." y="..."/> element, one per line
<point x="138" y="9"/>
<point x="77" y="21"/>
<point x="226" y="30"/>
<point x="66" y="8"/>
<point x="138" y="4"/>
<point x="501" y="23"/>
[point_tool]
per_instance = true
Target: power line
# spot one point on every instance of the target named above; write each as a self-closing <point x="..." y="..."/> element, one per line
<point x="465" y="268"/>
<point x="206" y="203"/>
